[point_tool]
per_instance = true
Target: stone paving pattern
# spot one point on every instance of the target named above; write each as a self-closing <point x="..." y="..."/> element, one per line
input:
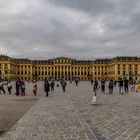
<point x="70" y="116"/>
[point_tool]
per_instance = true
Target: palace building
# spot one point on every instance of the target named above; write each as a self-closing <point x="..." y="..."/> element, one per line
<point x="68" y="68"/>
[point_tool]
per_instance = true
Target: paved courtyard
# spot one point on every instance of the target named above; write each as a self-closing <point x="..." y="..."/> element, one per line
<point x="70" y="116"/>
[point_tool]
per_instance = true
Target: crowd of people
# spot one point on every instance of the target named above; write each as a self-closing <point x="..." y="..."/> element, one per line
<point x="20" y="86"/>
<point x="124" y="85"/>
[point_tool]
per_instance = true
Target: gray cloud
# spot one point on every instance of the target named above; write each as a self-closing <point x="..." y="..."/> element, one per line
<point x="77" y="28"/>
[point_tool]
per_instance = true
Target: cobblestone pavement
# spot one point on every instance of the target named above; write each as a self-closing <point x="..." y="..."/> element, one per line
<point x="70" y="116"/>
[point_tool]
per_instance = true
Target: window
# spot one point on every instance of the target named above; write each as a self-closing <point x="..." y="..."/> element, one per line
<point x="5" y="65"/>
<point x="118" y="66"/>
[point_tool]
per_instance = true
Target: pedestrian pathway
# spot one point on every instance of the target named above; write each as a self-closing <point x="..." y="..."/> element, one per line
<point x="70" y="116"/>
<point x="52" y="118"/>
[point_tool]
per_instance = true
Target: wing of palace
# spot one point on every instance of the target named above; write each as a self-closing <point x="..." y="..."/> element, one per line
<point x="68" y="68"/>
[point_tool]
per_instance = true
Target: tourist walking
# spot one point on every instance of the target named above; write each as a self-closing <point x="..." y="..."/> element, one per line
<point x="18" y="86"/>
<point x="91" y="82"/>
<point x="35" y="88"/>
<point x="121" y="86"/>
<point x="52" y="84"/>
<point x="9" y="87"/>
<point x="22" y="88"/>
<point x="103" y="86"/>
<point x="110" y="86"/>
<point x="2" y="88"/>
<point x="70" y="80"/>
<point x="134" y="86"/>
<point x="95" y="88"/>
<point x="76" y="81"/>
<point x="126" y="83"/>
<point x="46" y="87"/>
<point x="64" y="83"/>
<point x="115" y="83"/>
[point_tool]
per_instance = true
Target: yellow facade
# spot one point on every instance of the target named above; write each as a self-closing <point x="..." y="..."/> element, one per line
<point x="68" y="68"/>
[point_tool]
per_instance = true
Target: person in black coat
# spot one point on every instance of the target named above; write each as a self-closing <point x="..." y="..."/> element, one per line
<point x="110" y="86"/>
<point x="121" y="86"/>
<point x="46" y="87"/>
<point x="18" y="86"/>
<point x="64" y="85"/>
<point x="103" y="86"/>
<point x="126" y="83"/>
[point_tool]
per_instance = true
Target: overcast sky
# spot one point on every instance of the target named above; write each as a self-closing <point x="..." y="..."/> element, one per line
<point x="82" y="29"/>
